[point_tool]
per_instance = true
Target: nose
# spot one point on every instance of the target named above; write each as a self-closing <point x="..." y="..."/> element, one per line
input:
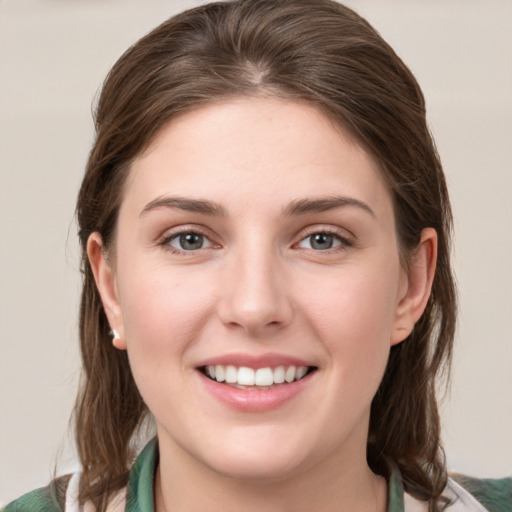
<point x="255" y="294"/>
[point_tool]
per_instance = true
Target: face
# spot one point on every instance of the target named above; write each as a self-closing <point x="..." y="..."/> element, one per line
<point x="257" y="287"/>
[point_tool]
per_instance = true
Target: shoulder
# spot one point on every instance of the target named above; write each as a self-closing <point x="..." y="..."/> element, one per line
<point x="62" y="494"/>
<point x="461" y="494"/>
<point x="493" y="494"/>
<point x="47" y="499"/>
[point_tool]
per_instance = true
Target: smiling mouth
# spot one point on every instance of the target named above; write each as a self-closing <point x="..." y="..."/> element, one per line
<point x="243" y="377"/>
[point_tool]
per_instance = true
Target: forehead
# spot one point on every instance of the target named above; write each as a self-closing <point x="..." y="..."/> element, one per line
<point x="245" y="145"/>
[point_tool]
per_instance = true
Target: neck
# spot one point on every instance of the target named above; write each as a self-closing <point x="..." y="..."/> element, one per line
<point x="329" y="486"/>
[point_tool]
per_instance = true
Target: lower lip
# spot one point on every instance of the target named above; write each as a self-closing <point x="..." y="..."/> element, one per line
<point x="254" y="400"/>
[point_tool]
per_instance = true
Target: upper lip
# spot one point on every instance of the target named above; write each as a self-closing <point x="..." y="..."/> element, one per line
<point x="255" y="361"/>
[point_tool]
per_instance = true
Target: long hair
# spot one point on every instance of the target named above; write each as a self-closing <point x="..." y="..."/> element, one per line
<point x="306" y="50"/>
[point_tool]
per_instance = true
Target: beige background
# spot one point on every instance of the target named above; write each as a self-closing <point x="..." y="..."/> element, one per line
<point x="53" y="57"/>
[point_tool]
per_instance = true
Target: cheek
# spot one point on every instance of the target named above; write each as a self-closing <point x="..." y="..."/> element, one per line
<point x="162" y="318"/>
<point x="353" y="315"/>
<point x="159" y="297"/>
<point x="163" y="314"/>
<point x="357" y="303"/>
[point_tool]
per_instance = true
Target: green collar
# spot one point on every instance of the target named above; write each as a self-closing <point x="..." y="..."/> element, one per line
<point x="139" y="493"/>
<point x="395" y="492"/>
<point x="139" y="496"/>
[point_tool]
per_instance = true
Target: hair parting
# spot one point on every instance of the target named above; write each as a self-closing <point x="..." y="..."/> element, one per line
<point x="315" y="51"/>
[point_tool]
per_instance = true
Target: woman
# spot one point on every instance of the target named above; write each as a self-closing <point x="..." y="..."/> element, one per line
<point x="265" y="230"/>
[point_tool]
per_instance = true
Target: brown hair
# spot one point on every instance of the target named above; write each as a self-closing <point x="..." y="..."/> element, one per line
<point x="309" y="50"/>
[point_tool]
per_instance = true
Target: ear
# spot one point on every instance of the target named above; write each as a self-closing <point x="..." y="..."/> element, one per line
<point x="416" y="287"/>
<point x="106" y="284"/>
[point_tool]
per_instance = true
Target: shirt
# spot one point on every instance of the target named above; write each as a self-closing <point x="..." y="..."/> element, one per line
<point x="465" y="493"/>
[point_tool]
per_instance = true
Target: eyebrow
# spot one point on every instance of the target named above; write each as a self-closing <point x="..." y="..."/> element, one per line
<point x="296" y="207"/>
<point x="202" y="206"/>
<point x="323" y="204"/>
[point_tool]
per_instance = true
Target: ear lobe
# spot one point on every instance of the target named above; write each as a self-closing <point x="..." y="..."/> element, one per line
<point x="105" y="282"/>
<point x="416" y="290"/>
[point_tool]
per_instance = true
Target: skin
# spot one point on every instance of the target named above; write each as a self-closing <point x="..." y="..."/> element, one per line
<point x="259" y="286"/>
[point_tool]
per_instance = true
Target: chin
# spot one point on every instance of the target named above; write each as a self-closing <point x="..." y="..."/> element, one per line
<point x="259" y="469"/>
<point x="265" y="460"/>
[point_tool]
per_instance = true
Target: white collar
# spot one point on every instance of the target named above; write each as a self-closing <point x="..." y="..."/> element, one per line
<point x="461" y="500"/>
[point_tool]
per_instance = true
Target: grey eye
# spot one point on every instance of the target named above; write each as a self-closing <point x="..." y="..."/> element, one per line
<point x="321" y="241"/>
<point x="188" y="241"/>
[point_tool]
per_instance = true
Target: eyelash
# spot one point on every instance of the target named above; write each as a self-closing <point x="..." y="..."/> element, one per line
<point x="167" y="239"/>
<point x="343" y="242"/>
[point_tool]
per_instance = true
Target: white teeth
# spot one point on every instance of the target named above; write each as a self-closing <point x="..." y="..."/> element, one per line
<point x="231" y="374"/>
<point x="279" y="375"/>
<point x="245" y="376"/>
<point x="264" y="377"/>
<point x="289" y="375"/>
<point x="301" y="371"/>
<point x="220" y="373"/>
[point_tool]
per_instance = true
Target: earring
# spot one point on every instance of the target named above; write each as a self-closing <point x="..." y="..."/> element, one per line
<point x="115" y="335"/>
<point x="117" y="342"/>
